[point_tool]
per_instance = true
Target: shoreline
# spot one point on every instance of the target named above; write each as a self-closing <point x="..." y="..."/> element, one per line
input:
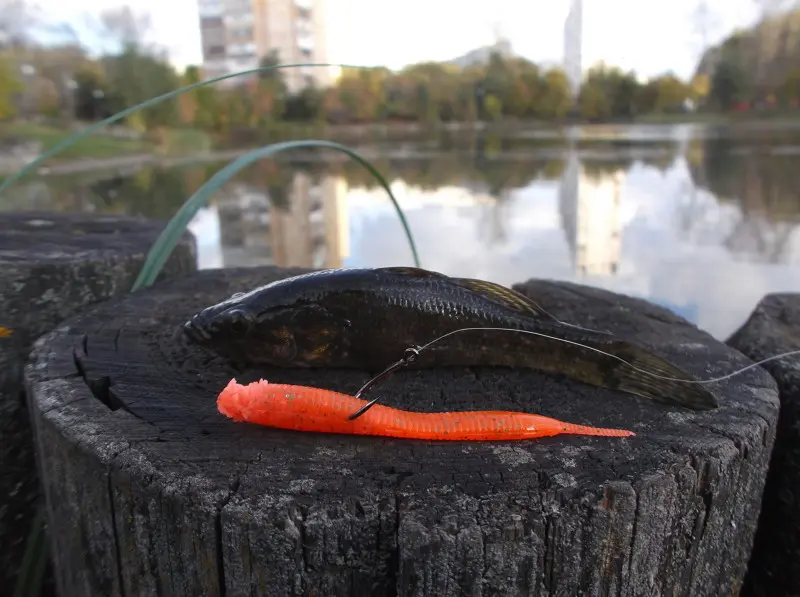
<point x="370" y="133"/>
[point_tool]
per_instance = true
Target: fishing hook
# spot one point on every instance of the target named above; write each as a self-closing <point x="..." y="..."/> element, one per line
<point x="411" y="355"/>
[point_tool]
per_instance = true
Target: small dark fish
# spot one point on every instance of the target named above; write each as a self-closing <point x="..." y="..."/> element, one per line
<point x="366" y="318"/>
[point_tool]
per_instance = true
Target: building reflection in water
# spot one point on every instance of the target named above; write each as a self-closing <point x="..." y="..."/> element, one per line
<point x="590" y="207"/>
<point x="307" y="227"/>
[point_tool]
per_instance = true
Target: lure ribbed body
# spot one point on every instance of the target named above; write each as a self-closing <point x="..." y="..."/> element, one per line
<point x="302" y="408"/>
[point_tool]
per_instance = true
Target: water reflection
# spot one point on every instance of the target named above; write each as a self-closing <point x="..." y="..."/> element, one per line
<point x="704" y="226"/>
<point x="590" y="214"/>
<point x="302" y="225"/>
<point x="764" y="187"/>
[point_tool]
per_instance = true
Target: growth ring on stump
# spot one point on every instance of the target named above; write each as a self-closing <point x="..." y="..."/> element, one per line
<point x="774" y="328"/>
<point x="152" y="491"/>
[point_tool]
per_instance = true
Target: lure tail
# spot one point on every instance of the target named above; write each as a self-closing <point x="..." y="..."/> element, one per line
<point x="599" y="431"/>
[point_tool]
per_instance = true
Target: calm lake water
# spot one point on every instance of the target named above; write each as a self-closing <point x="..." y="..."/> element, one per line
<point x="703" y="221"/>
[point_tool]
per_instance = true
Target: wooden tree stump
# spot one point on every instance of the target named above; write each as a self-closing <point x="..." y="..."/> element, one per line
<point x="774" y="328"/>
<point x="51" y="267"/>
<point x="153" y="492"/>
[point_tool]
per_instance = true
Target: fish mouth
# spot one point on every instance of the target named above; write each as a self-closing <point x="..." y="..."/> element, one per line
<point x="195" y="331"/>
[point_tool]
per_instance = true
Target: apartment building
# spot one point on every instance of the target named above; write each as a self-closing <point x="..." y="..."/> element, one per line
<point x="237" y="34"/>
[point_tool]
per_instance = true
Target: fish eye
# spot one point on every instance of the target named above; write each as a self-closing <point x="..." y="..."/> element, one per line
<point x="284" y="344"/>
<point x="238" y="320"/>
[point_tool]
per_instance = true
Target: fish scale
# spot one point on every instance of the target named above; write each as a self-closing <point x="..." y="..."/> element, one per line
<point x="366" y="318"/>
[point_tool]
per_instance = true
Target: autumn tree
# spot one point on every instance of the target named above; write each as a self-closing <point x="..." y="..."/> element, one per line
<point x="92" y="89"/>
<point x="729" y="85"/>
<point x="398" y="92"/>
<point x="360" y="94"/>
<point x="608" y="92"/>
<point x="206" y="100"/>
<point x="271" y="91"/>
<point x="593" y="103"/>
<point x="435" y="91"/>
<point x="136" y="77"/>
<point x="307" y="105"/>
<point x="9" y="87"/>
<point x="789" y="90"/>
<point x="672" y="93"/>
<point x="555" y="98"/>
<point x="663" y="94"/>
<point x="188" y="106"/>
<point x="526" y="86"/>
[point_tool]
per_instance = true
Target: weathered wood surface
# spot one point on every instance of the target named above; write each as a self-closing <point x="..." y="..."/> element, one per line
<point x="51" y="267"/>
<point x="774" y="328"/>
<point x="153" y="492"/>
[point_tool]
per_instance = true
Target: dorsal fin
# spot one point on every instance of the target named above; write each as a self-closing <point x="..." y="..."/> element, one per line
<point x="501" y="294"/>
<point x="407" y="270"/>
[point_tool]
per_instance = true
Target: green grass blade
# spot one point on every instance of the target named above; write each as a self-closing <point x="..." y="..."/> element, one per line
<point x="162" y="248"/>
<point x="151" y="102"/>
<point x="31" y="568"/>
<point x="35" y="558"/>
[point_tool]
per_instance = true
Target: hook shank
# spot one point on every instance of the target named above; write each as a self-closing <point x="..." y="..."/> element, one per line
<point x="409" y="357"/>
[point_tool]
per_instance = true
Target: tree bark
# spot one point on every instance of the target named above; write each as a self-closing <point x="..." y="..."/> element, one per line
<point x="51" y="267"/>
<point x="152" y="492"/>
<point x="774" y="328"/>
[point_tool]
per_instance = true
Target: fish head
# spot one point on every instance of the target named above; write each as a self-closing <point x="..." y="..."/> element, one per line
<point x="262" y="332"/>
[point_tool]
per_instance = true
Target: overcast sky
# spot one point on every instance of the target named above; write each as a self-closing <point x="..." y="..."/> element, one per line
<point x="649" y="36"/>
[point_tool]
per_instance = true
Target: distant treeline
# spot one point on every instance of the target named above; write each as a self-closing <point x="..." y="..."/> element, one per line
<point x="756" y="66"/>
<point x="423" y="93"/>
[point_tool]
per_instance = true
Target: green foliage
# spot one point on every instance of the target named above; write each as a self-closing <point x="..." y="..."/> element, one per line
<point x="134" y="77"/>
<point x="429" y="92"/>
<point x="729" y="86"/>
<point x="789" y="91"/>
<point x="9" y="87"/>
<point x="755" y="66"/>
<point x="493" y="106"/>
<point x="609" y="93"/>
<point x="305" y="106"/>
<point x="555" y="100"/>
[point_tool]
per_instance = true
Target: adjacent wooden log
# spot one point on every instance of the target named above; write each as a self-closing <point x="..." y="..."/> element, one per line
<point x="153" y="492"/>
<point x="774" y="328"/>
<point x="51" y="267"/>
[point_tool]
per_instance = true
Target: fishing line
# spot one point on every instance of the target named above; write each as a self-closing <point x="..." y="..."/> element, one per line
<point x="558" y="321"/>
<point x="564" y="323"/>
<point x="413" y="352"/>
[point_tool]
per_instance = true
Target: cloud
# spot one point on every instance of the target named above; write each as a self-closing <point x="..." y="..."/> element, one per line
<point x="689" y="270"/>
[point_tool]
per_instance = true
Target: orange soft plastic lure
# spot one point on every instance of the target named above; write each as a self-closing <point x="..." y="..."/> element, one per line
<point x="303" y="408"/>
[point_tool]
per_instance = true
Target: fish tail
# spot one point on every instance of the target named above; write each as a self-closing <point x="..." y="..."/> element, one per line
<point x="645" y="378"/>
<point x="600" y="431"/>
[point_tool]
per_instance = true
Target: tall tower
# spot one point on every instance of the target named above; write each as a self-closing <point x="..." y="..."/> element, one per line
<point x="500" y="41"/>
<point x="573" y="46"/>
